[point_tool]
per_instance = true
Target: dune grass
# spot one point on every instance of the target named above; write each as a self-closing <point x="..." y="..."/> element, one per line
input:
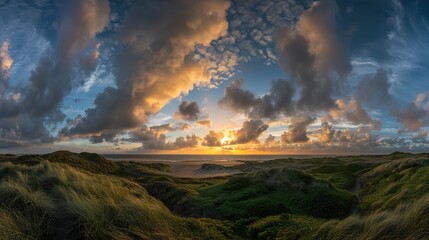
<point x="56" y="201"/>
<point x="406" y="221"/>
<point x="394" y="183"/>
<point x="65" y="195"/>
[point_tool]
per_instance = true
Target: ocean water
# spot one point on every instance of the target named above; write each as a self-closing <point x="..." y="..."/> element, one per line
<point x="190" y="165"/>
<point x="199" y="159"/>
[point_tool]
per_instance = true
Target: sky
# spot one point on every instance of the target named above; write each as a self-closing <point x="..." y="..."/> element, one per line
<point x="214" y="76"/>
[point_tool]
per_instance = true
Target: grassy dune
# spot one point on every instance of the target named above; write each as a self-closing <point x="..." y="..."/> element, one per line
<point x="52" y="200"/>
<point x="66" y="195"/>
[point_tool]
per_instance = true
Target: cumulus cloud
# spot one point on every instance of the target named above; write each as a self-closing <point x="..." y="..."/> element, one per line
<point x="415" y="115"/>
<point x="153" y="139"/>
<point x="249" y="132"/>
<point x="353" y="113"/>
<point x="348" y="138"/>
<point x="51" y="81"/>
<point x="297" y="130"/>
<point x="9" y="101"/>
<point x="188" y="110"/>
<point x="326" y="133"/>
<point x="213" y="139"/>
<point x="269" y="140"/>
<point x="155" y="62"/>
<point x="34" y="107"/>
<point x="277" y="101"/>
<point x="314" y="56"/>
<point x="5" y="64"/>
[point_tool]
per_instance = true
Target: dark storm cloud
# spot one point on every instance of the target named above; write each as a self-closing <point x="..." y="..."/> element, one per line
<point x="314" y="55"/>
<point x="277" y="101"/>
<point x="155" y="61"/>
<point x="374" y="89"/>
<point x="297" y="130"/>
<point x="188" y="110"/>
<point x="249" y="132"/>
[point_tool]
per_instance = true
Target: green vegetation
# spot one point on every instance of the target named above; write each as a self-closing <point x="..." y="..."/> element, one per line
<point x="56" y="201"/>
<point x="66" y="195"/>
<point x="275" y="191"/>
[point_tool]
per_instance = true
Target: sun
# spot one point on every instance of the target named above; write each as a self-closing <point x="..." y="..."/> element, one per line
<point x="226" y="139"/>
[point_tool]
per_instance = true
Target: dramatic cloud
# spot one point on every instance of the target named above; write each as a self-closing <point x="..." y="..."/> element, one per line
<point x="27" y="111"/>
<point x="108" y="71"/>
<point x="236" y="98"/>
<point x="5" y="64"/>
<point x="253" y="23"/>
<point x="345" y="138"/>
<point x="270" y="140"/>
<point x="155" y="62"/>
<point x="188" y="110"/>
<point x="297" y="130"/>
<point x="213" y="139"/>
<point x="314" y="55"/>
<point x="9" y="101"/>
<point x="326" y="133"/>
<point x="249" y="132"/>
<point x="277" y="101"/>
<point x="51" y="81"/>
<point x="353" y="113"/>
<point x="153" y="139"/>
<point x="415" y="115"/>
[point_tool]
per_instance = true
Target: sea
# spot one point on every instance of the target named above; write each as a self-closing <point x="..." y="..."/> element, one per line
<point x="199" y="159"/>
